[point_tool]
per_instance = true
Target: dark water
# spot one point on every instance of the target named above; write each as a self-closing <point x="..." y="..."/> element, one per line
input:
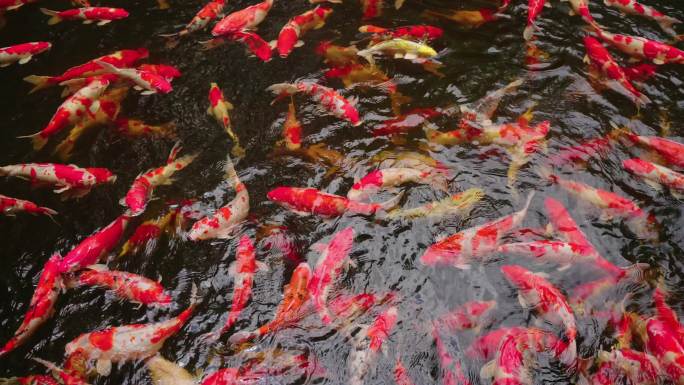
<point x="476" y="61"/>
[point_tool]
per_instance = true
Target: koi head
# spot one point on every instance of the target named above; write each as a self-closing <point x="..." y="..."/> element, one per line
<point x="323" y="12"/>
<point x="286" y="41"/>
<point x="280" y="194"/>
<point x="102" y="175"/>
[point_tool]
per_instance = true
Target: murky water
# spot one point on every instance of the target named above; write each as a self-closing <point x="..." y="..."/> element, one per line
<point x="386" y="252"/>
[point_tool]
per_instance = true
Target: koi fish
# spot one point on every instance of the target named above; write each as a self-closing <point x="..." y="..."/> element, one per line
<point x="581" y="153"/>
<point x="363" y="356"/>
<point x="475" y="243"/>
<point x="392" y="177"/>
<point x="656" y="176"/>
<point x="481" y="111"/>
<point x="467" y="316"/>
<point x="372" y="8"/>
<point x="333" y="256"/>
<point x="66" y="377"/>
<point x="290" y="34"/>
<point x="536" y="292"/>
<point x="165" y="372"/>
<point x="467" y="18"/>
<point x="452" y="371"/>
<point x="246" y="19"/>
<point x="138" y="128"/>
<point x="401" y="376"/>
<point x="670" y="151"/>
<point x="242" y="271"/>
<point x="485" y="347"/>
<point x="292" y="129"/>
<point x="347" y="308"/>
<point x="169" y="72"/>
<point x="226" y="376"/>
<point x="305" y="201"/>
<point x="412" y="160"/>
<point x="108" y="111"/>
<point x="83" y="102"/>
<point x="11" y="5"/>
<point x="143" y="186"/>
<point x="149" y="231"/>
<point x="128" y="286"/>
<point x="295" y="296"/>
<point x="70" y="180"/>
<point x="409" y="32"/>
<point x="90" y="250"/>
<point x="36" y="379"/>
<point x="151" y="82"/>
<point x="101" y="15"/>
<point x="41" y="306"/>
<point x="218" y="108"/>
<point x="661" y="341"/>
<point x="123" y="58"/>
<point x="633" y="7"/>
<point x="22" y="53"/>
<point x="11" y="206"/>
<point x="255" y="44"/>
<point x="337" y="55"/>
<point x="512" y="364"/>
<point x="637" y="367"/>
<point x="534" y="8"/>
<point x="604" y="62"/>
<point x="405" y="122"/>
<point x="201" y="20"/>
<point x="643" y="48"/>
<point x="456" y="205"/>
<point x="129" y="342"/>
<point x="280" y="238"/>
<point x="399" y="49"/>
<point x="611" y="204"/>
<point x="223" y="222"/>
<point x="667" y="315"/>
<point x="326" y="97"/>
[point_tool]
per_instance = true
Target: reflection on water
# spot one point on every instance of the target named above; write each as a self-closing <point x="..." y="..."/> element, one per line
<point x="551" y="84"/>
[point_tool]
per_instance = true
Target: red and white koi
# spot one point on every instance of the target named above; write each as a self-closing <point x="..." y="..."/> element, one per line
<point x="536" y="292"/>
<point x="452" y="371"/>
<point x="242" y="271"/>
<point x="611" y="204"/>
<point x="637" y="367"/>
<point x="169" y="72"/>
<point x="667" y="315"/>
<point x="90" y="250"/>
<point x="22" y="53"/>
<point x="143" y="186"/>
<point x="150" y="231"/>
<point x="347" y="308"/>
<point x="129" y="342"/>
<point x="562" y="253"/>
<point x="458" y="204"/>
<point x="643" y="48"/>
<point x="362" y="355"/>
<point x="467" y="316"/>
<point x="72" y="111"/>
<point x="292" y="129"/>
<point x="409" y="32"/>
<point x="670" y="151"/>
<point x="243" y="20"/>
<point x="101" y="15"/>
<point x="475" y="243"/>
<point x="291" y="33"/>
<point x="656" y="176"/>
<point x="201" y="20"/>
<point x="71" y="180"/>
<point x="151" y="82"/>
<point x="219" y="108"/>
<point x="125" y="285"/>
<point x="255" y="44"/>
<point x="405" y="122"/>
<point x="41" y="306"/>
<point x="306" y="201"/>
<point x="604" y="62"/>
<point x="226" y="376"/>
<point x="534" y="8"/>
<point x="223" y="222"/>
<point x="295" y="296"/>
<point x="333" y="257"/>
<point x="392" y="177"/>
<point x="662" y="342"/>
<point x="583" y="152"/>
<point x="633" y="7"/>
<point x="484" y="347"/>
<point x="36" y="379"/>
<point x="123" y="58"/>
<point x="11" y="206"/>
<point x="326" y="97"/>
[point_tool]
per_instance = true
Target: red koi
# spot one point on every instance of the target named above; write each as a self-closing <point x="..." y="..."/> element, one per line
<point x="101" y="15"/>
<point x="11" y="206"/>
<point x="243" y="20"/>
<point x="94" y="247"/>
<point x="151" y="82"/>
<point x="22" y="53"/>
<point x="467" y="316"/>
<point x="656" y="176"/>
<point x="292" y="32"/>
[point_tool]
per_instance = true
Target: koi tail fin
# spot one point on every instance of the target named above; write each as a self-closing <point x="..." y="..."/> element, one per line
<point x="37" y="139"/>
<point x="54" y="16"/>
<point x="39" y="82"/>
<point x="231" y="174"/>
<point x="282" y="90"/>
<point x="173" y="154"/>
<point x="371" y="29"/>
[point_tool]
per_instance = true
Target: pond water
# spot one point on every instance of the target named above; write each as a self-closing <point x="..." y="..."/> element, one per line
<point x="386" y="252"/>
